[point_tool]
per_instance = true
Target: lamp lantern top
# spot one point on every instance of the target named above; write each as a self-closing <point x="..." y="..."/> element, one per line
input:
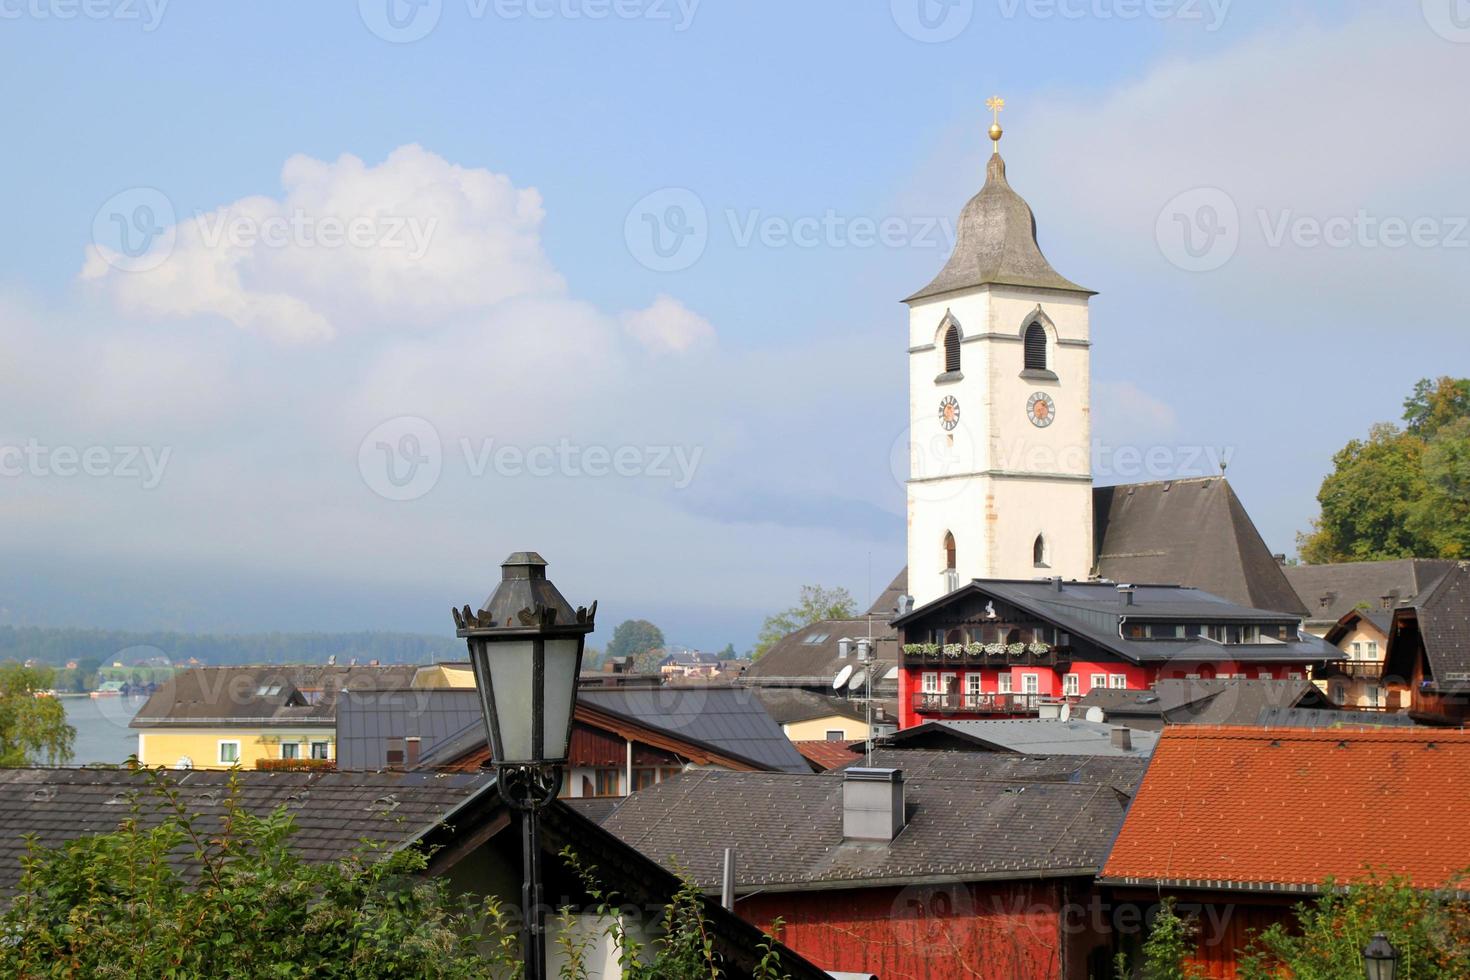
<point x="524" y="601"/>
<point x="1380" y="958"/>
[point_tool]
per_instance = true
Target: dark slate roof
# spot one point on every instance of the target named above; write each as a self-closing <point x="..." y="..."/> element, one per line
<point x="1038" y="736"/>
<point x="787" y="830"/>
<point x="1121" y="772"/>
<point x="1327" y="718"/>
<point x="263" y="694"/>
<point x="367" y="719"/>
<point x="808" y="657"/>
<point x="1188" y="532"/>
<point x="788" y="704"/>
<point x="1444" y="626"/>
<point x="1095" y="610"/>
<point x="1331" y="591"/>
<point x="334" y="811"/>
<point x="727" y="718"/>
<point x="884" y="606"/>
<point x="1217" y="701"/>
<point x="995" y="244"/>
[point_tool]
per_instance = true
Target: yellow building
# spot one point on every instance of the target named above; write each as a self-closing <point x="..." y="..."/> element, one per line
<point x="253" y="716"/>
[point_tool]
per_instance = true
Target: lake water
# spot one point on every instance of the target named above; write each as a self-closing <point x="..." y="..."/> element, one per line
<point x="102" y="728"/>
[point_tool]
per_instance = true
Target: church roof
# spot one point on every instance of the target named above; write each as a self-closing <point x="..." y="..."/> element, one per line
<point x="995" y="244"/>
<point x="1189" y="532"/>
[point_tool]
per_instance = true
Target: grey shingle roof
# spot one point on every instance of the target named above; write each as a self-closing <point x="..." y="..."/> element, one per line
<point x="727" y="718"/>
<point x="367" y="719"/>
<point x="787" y="830"/>
<point x="788" y="704"/>
<point x="263" y="694"/>
<point x="1326" y="718"/>
<point x="808" y="657"/>
<point x="1188" y="532"/>
<point x="1095" y="610"/>
<point x="1038" y="736"/>
<point x="1217" y="701"/>
<point x="1331" y="591"/>
<point x="995" y="243"/>
<point x="1443" y="613"/>
<point x="1121" y="772"/>
<point x="334" y="811"/>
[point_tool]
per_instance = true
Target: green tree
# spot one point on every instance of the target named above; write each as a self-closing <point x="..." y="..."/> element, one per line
<point x="815" y="604"/>
<point x="32" y="729"/>
<point x="729" y="652"/>
<point x="634" y="637"/>
<point x="1402" y="493"/>
<point x="1430" y="931"/>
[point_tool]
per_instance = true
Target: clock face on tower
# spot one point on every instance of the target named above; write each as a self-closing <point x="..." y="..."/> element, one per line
<point x="1041" y="410"/>
<point x="949" y="412"/>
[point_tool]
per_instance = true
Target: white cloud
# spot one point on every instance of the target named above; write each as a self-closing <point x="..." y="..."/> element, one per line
<point x="1124" y="411"/>
<point x="403" y="245"/>
<point x="668" y="326"/>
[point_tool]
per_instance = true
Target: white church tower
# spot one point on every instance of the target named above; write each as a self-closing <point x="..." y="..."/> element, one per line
<point x="1000" y="482"/>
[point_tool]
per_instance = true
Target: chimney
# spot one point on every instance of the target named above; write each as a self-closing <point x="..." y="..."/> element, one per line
<point x="844" y="646"/>
<point x="872" y="804"/>
<point x="1280" y="558"/>
<point x="411" y="752"/>
<point x="1056" y="582"/>
<point x="1122" y="739"/>
<point x="1126" y="591"/>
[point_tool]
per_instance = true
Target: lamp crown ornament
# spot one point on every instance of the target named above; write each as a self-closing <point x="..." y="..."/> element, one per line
<point x="995" y="104"/>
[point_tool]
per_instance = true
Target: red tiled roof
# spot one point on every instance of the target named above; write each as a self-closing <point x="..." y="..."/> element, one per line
<point x="1253" y="807"/>
<point x="827" y="755"/>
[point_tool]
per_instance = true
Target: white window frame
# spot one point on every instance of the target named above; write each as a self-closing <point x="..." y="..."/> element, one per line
<point x="1118" y="682"/>
<point x="1099" y="682"/>
<point x="1293" y="675"/>
<point x="929" y="682"/>
<point x="326" y="749"/>
<point x="1031" y="683"/>
<point x="1004" y="684"/>
<point x="974" y="687"/>
<point x="1264" y="675"/>
<point x="1072" y="685"/>
<point x="219" y="752"/>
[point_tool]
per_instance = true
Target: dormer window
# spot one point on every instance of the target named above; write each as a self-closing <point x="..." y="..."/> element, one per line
<point x="951" y="350"/>
<point x="1036" y="348"/>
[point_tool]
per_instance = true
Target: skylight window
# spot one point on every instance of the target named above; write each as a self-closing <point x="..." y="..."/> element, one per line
<point x="816" y="637"/>
<point x="268" y="690"/>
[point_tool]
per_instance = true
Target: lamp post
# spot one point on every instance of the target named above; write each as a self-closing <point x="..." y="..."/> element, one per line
<point x="525" y="647"/>
<point x="1380" y="959"/>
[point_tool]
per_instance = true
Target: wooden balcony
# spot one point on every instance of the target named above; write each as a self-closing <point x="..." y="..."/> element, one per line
<point x="979" y="704"/>
<point x="1361" y="670"/>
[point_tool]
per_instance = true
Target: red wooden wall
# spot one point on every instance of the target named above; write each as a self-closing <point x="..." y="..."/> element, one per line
<point x="1007" y="931"/>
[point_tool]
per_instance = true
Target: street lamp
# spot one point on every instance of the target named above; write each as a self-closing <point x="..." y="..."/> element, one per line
<point x="1380" y="959"/>
<point x="525" y="648"/>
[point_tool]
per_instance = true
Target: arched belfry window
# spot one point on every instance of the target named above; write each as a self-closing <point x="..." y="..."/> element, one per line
<point x="952" y="349"/>
<point x="1036" y="347"/>
<point x="949" y="554"/>
<point x="1038" y="552"/>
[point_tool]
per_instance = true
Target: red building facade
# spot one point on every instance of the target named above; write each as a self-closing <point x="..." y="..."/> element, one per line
<point x="1003" y="649"/>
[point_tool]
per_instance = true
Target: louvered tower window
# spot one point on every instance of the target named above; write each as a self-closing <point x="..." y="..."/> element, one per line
<point x="1035" y="347"/>
<point x="952" y="349"/>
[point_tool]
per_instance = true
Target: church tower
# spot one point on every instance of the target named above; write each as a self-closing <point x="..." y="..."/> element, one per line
<point x="1000" y="481"/>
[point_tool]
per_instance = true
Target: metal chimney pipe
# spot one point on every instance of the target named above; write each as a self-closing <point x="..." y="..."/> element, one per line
<point x="727" y="881"/>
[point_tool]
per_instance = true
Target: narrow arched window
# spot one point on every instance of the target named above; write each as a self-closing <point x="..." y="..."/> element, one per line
<point x="1038" y="552"/>
<point x="952" y="349"/>
<point x="1036" y="347"/>
<point x="949" y="564"/>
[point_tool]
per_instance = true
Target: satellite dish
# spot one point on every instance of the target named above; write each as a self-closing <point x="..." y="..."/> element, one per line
<point x="892" y="674"/>
<point x="1095" y="714"/>
<point x="841" y="678"/>
<point x="1066" y="712"/>
<point x="856" y="684"/>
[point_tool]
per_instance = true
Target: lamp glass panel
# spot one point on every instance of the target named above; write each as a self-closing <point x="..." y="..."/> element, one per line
<point x="561" y="692"/>
<point x="509" y="664"/>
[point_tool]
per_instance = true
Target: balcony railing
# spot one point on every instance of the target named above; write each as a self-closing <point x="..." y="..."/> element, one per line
<point x="982" y="704"/>
<point x="1356" y="669"/>
<point x="971" y="655"/>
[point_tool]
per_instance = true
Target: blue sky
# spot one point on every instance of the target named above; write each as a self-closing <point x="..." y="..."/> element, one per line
<point x="522" y="144"/>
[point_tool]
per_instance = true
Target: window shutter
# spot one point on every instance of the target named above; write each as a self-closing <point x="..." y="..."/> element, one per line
<point x="951" y="349"/>
<point x="1035" y="348"/>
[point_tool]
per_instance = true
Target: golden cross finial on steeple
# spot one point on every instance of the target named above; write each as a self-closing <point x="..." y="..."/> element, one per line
<point x="995" y="103"/>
